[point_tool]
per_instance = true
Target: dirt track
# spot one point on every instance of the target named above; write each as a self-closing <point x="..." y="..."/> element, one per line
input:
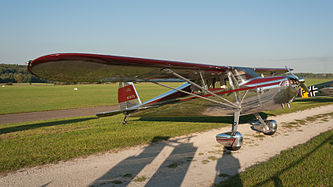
<point x="56" y="114"/>
<point x="194" y="160"/>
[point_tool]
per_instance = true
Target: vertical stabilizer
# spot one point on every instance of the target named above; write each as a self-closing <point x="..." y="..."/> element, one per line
<point x="127" y="95"/>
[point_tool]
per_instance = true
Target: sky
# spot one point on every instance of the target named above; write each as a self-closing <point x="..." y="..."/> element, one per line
<point x="256" y="33"/>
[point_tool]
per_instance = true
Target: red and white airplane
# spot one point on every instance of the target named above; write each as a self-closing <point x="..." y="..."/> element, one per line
<point x="208" y="90"/>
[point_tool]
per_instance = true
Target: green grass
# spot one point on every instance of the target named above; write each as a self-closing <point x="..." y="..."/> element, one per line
<point x="40" y="97"/>
<point x="309" y="164"/>
<point x="140" y="179"/>
<point x="313" y="81"/>
<point x="37" y="143"/>
<point x="300" y="104"/>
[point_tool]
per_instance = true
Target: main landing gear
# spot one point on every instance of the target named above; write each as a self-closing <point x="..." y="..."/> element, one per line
<point x="231" y="140"/>
<point x="268" y="127"/>
<point x="234" y="140"/>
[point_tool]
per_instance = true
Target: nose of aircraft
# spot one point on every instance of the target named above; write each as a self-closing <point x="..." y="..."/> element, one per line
<point x="302" y="84"/>
<point x="301" y="81"/>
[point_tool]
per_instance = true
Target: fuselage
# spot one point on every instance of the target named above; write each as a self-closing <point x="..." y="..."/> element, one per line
<point x="253" y="95"/>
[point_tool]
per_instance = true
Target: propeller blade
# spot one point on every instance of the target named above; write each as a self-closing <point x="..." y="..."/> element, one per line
<point x="291" y="73"/>
<point x="304" y="87"/>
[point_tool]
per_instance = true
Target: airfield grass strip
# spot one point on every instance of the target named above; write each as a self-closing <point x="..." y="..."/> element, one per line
<point x="37" y="143"/>
<point x="309" y="164"/>
<point x="33" y="98"/>
<point x="300" y="104"/>
<point x="42" y="97"/>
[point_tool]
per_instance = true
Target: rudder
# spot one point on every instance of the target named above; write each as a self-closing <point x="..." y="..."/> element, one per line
<point x="127" y="96"/>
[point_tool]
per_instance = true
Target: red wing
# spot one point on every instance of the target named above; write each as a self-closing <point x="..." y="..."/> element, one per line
<point x="75" y="67"/>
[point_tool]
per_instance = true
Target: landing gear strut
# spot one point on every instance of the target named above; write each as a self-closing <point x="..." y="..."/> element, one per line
<point x="231" y="140"/>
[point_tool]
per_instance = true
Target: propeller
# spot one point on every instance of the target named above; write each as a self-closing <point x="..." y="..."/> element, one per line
<point x="300" y="80"/>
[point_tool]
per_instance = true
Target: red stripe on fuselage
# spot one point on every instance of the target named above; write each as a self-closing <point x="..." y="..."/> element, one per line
<point x="262" y="80"/>
<point x="236" y="90"/>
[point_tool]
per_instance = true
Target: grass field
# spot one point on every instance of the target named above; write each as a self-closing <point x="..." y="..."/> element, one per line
<point x="309" y="164"/>
<point x="36" y="143"/>
<point x="40" y="97"/>
<point x="31" y="98"/>
<point x="313" y="81"/>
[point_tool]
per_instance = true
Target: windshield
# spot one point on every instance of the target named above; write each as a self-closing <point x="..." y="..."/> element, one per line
<point x="243" y="74"/>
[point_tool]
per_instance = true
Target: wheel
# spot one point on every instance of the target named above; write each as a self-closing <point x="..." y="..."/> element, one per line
<point x="229" y="141"/>
<point x="272" y="127"/>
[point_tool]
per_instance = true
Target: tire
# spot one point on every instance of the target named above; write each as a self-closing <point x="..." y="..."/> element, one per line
<point x="272" y="125"/>
<point x="232" y="148"/>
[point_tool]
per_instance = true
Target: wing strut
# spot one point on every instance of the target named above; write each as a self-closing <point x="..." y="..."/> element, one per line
<point x="211" y="100"/>
<point x="203" y="89"/>
<point x="233" y="84"/>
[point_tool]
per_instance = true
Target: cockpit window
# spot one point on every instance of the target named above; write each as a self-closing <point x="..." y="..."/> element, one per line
<point x="243" y="74"/>
<point x="293" y="82"/>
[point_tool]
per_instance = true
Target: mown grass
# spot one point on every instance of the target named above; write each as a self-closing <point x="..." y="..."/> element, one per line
<point x="312" y="81"/>
<point x="30" y="98"/>
<point x="36" y="143"/>
<point x="300" y="104"/>
<point x="41" y="97"/>
<point x="309" y="164"/>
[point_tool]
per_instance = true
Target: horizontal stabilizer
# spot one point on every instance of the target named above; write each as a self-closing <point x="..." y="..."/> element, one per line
<point x="112" y="113"/>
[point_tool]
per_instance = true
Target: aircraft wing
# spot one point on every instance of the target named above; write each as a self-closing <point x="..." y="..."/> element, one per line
<point x="77" y="67"/>
<point x="322" y="89"/>
<point x="327" y="91"/>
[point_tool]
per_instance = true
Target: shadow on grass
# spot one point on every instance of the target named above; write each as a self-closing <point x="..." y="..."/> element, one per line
<point x="276" y="177"/>
<point x="42" y="124"/>
<point x="315" y="99"/>
<point x="222" y="119"/>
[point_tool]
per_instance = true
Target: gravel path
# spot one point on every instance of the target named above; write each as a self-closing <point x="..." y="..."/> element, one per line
<point x="193" y="160"/>
<point x="55" y="114"/>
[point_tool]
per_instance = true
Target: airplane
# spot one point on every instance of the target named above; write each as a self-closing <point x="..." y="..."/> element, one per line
<point x="208" y="90"/>
<point x="322" y="89"/>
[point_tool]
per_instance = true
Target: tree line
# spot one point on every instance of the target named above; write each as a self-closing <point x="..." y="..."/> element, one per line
<point x="316" y="75"/>
<point x="14" y="73"/>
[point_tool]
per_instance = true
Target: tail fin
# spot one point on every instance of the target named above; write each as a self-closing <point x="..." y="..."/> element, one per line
<point x="127" y="96"/>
